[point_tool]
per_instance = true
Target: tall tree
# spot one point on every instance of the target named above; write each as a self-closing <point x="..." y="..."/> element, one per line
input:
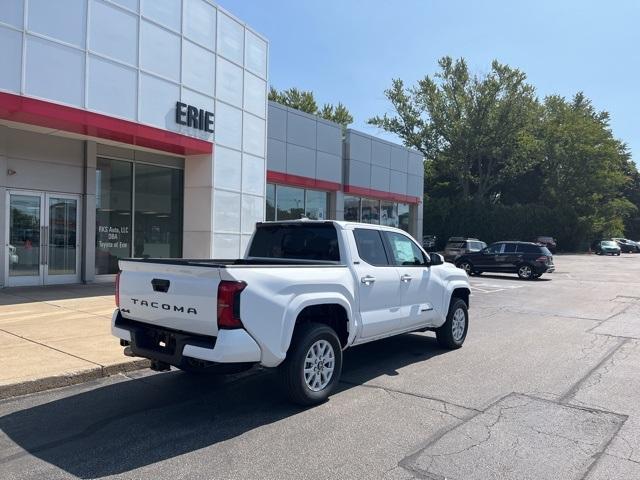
<point x="305" y="101"/>
<point x="477" y="127"/>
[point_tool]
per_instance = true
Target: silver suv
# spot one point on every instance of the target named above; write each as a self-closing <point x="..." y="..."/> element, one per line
<point x="457" y="246"/>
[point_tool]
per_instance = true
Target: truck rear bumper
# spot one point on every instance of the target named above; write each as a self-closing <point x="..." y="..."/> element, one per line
<point x="156" y="343"/>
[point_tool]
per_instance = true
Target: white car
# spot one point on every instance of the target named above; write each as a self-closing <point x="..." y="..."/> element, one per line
<point x="305" y="291"/>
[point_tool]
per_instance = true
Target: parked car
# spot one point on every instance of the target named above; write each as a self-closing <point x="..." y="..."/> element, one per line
<point x="626" y="245"/>
<point x="429" y="242"/>
<point x="605" y="247"/>
<point x="548" y="242"/>
<point x="529" y="260"/>
<point x="457" y="246"/>
<point x="305" y="291"/>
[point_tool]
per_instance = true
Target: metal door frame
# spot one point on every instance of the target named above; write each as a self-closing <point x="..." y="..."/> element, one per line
<point x="43" y="278"/>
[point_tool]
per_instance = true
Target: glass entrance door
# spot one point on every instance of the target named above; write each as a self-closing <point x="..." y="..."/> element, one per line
<point x="43" y="239"/>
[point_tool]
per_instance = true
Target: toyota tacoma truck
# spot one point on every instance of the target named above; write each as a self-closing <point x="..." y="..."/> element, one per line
<point x="304" y="292"/>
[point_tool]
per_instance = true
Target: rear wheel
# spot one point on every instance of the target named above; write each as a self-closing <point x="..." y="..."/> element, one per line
<point x="525" y="271"/>
<point x="313" y="365"/>
<point x="454" y="331"/>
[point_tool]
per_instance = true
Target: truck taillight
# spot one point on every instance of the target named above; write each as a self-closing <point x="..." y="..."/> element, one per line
<point x="229" y="304"/>
<point x="118" y="290"/>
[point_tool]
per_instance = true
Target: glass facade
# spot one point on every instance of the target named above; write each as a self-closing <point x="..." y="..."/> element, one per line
<point x="290" y="203"/>
<point x="153" y="229"/>
<point x="368" y="210"/>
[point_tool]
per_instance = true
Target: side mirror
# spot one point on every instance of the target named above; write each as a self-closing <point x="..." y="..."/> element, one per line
<point x="436" y="259"/>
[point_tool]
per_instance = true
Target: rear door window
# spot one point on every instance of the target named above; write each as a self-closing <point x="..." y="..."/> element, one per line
<point x="370" y="247"/>
<point x="510" y="248"/>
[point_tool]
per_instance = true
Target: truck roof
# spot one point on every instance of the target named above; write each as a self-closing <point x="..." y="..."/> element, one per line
<point x="342" y="224"/>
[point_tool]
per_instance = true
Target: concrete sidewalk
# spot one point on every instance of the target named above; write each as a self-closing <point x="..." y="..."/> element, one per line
<point x="56" y="336"/>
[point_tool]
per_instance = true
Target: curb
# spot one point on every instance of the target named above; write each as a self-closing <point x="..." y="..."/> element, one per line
<point x="73" y="378"/>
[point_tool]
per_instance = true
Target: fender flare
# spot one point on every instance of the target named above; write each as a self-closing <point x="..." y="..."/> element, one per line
<point x="299" y="303"/>
<point x="451" y="286"/>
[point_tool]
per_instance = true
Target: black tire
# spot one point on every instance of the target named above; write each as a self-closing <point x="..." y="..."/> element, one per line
<point x="525" y="271"/>
<point x="467" y="266"/>
<point x="291" y="370"/>
<point x="445" y="334"/>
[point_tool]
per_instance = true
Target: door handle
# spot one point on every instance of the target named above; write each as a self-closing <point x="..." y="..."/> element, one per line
<point x="368" y="279"/>
<point x="42" y="250"/>
<point x="406" y="278"/>
<point x="46" y="245"/>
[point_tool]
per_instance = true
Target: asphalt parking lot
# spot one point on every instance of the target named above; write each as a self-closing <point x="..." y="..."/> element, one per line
<point x="546" y="387"/>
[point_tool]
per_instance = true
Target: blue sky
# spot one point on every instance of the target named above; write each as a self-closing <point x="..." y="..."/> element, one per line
<point x="350" y="50"/>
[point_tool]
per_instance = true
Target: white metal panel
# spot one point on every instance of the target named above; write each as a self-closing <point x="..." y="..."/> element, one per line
<point x="12" y="12"/>
<point x="229" y="82"/>
<point x="159" y="51"/>
<point x="256" y="54"/>
<point x="64" y="20"/>
<point x="112" y="88"/>
<point x="10" y="59"/>
<point x="252" y="212"/>
<point x="226" y="245"/>
<point x="253" y="174"/>
<point x="54" y="71"/>
<point x="200" y="23"/>
<point x="165" y="12"/>
<point x="253" y="135"/>
<point x="230" y="38"/>
<point x="227" y="168"/>
<point x="113" y="32"/>
<point x="228" y="125"/>
<point x="226" y="207"/>
<point x="198" y="68"/>
<point x="157" y="101"/>
<point x="255" y="93"/>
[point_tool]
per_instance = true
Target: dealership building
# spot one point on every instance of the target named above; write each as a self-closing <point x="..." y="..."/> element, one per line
<point x="142" y="128"/>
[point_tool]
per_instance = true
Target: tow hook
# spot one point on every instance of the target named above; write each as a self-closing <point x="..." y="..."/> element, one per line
<point x="158" y="366"/>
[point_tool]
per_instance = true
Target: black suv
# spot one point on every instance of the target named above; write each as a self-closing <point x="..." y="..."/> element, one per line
<point x="529" y="260"/>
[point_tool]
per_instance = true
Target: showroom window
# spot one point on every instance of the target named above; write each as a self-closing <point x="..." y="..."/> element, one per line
<point x="141" y="218"/>
<point x="290" y="203"/>
<point x="368" y="210"/>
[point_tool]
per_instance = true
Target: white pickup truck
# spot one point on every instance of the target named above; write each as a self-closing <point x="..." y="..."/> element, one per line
<point x="305" y="291"/>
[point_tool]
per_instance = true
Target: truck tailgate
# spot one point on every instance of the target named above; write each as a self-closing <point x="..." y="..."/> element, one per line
<point x="171" y="296"/>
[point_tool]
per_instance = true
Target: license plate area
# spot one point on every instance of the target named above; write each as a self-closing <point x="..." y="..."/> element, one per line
<point x="157" y="340"/>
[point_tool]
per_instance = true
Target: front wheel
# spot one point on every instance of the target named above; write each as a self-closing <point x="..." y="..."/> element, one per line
<point x="454" y="331"/>
<point x="313" y="365"/>
<point x="525" y="272"/>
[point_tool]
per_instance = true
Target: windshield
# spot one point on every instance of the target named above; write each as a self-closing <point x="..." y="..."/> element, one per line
<point x="455" y="245"/>
<point x="609" y="243"/>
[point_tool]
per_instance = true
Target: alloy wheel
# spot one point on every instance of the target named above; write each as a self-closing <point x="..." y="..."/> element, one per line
<point x="319" y="364"/>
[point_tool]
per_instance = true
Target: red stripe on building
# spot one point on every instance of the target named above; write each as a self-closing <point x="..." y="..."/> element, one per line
<point x="17" y="108"/>
<point x="299" y="181"/>
<point x="380" y="195"/>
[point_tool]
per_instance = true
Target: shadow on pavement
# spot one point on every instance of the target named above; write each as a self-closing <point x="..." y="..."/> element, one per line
<point x="129" y="424"/>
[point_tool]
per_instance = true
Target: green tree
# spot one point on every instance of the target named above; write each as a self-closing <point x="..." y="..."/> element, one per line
<point x="477" y="127"/>
<point x="305" y="101"/>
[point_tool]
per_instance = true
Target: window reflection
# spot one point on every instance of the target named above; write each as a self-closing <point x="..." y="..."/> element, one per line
<point x="270" y="213"/>
<point x="351" y="208"/>
<point x="289" y="203"/>
<point x="158" y="215"/>
<point x="113" y="213"/>
<point x="370" y="211"/>
<point x="389" y="214"/>
<point x="316" y="207"/>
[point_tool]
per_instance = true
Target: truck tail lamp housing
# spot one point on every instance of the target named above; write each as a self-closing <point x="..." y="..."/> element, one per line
<point x="229" y="304"/>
